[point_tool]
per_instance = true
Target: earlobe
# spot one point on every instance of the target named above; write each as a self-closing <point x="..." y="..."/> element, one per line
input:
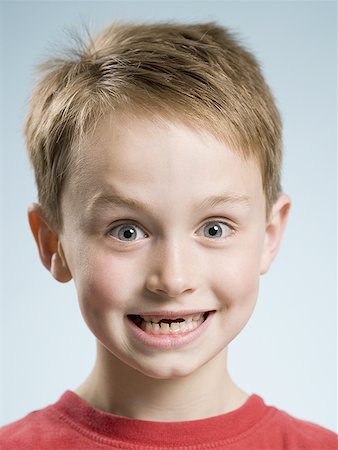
<point x="59" y="269"/>
<point x="274" y="231"/>
<point x="49" y="246"/>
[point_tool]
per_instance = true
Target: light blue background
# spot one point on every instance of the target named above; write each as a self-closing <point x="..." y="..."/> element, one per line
<point x="287" y="352"/>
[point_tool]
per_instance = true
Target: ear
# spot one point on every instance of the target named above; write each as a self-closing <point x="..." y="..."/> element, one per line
<point x="49" y="246"/>
<point x="274" y="231"/>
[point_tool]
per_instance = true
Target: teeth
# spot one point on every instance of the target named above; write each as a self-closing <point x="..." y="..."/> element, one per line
<point x="189" y="324"/>
<point x="187" y="319"/>
<point x="151" y="319"/>
<point x="165" y="327"/>
<point x="175" y="326"/>
<point x="197" y="316"/>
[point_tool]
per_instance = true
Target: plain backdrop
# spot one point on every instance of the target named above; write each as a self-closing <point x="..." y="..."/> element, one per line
<point x="287" y="352"/>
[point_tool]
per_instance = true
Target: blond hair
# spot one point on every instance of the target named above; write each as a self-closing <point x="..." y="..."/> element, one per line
<point x="198" y="73"/>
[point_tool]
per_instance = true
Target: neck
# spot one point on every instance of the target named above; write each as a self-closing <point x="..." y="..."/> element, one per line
<point x="119" y="389"/>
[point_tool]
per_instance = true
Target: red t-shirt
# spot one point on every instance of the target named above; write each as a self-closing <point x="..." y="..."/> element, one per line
<point x="72" y="424"/>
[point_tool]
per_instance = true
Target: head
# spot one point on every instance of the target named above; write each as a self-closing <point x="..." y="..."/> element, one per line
<point x="178" y="119"/>
<point x="197" y="73"/>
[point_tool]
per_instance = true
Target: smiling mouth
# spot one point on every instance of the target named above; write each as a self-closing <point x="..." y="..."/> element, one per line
<point x="158" y="325"/>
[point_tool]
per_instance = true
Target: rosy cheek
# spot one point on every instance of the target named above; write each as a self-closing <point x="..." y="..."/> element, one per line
<point x="104" y="285"/>
<point x="236" y="285"/>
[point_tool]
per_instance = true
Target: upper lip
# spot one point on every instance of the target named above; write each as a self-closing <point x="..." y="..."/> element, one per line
<point x="173" y="314"/>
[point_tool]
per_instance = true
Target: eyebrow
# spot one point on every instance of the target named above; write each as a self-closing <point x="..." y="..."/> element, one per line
<point x="230" y="198"/>
<point x="105" y="200"/>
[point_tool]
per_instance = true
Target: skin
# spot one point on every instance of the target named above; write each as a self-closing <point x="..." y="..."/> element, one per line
<point x="173" y="264"/>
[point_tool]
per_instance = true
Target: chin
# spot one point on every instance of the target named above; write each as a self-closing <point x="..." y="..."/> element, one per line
<point x="165" y="371"/>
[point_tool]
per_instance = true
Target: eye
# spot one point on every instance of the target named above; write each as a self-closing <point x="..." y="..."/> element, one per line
<point x="127" y="232"/>
<point x="217" y="229"/>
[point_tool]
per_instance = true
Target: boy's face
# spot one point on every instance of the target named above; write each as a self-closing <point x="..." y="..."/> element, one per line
<point x="199" y="244"/>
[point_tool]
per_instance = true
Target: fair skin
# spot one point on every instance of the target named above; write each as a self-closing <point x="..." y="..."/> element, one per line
<point x="173" y="255"/>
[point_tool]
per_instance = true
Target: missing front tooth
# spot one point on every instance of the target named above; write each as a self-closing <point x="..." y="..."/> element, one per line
<point x="171" y="321"/>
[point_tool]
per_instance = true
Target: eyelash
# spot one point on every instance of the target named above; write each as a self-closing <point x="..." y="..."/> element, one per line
<point x="133" y="224"/>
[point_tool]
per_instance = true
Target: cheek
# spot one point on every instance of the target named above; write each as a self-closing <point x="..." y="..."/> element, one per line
<point x="236" y="287"/>
<point x="236" y="290"/>
<point x="236" y="283"/>
<point x="104" y="284"/>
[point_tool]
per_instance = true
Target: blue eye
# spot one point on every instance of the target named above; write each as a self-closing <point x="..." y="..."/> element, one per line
<point x="216" y="229"/>
<point x="126" y="232"/>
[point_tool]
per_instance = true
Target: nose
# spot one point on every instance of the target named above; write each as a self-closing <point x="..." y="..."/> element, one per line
<point x="171" y="272"/>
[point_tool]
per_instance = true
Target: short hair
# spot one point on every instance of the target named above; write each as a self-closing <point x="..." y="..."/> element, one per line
<point x="197" y="73"/>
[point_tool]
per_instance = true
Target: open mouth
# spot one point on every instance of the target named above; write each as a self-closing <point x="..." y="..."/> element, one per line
<point x="158" y="325"/>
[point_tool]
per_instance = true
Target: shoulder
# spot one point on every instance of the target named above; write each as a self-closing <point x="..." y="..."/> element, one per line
<point x="24" y="431"/>
<point x="42" y="429"/>
<point x="30" y="432"/>
<point x="296" y="433"/>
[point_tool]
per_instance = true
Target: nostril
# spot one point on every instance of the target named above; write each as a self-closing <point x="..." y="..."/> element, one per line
<point x="168" y="285"/>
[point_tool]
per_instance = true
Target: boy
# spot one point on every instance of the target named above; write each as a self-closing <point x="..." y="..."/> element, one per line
<point x="157" y="154"/>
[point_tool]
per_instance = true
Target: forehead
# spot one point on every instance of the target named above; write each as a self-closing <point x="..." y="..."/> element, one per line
<point x="157" y="158"/>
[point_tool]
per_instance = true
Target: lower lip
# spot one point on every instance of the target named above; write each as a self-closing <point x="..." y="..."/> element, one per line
<point x="172" y="340"/>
